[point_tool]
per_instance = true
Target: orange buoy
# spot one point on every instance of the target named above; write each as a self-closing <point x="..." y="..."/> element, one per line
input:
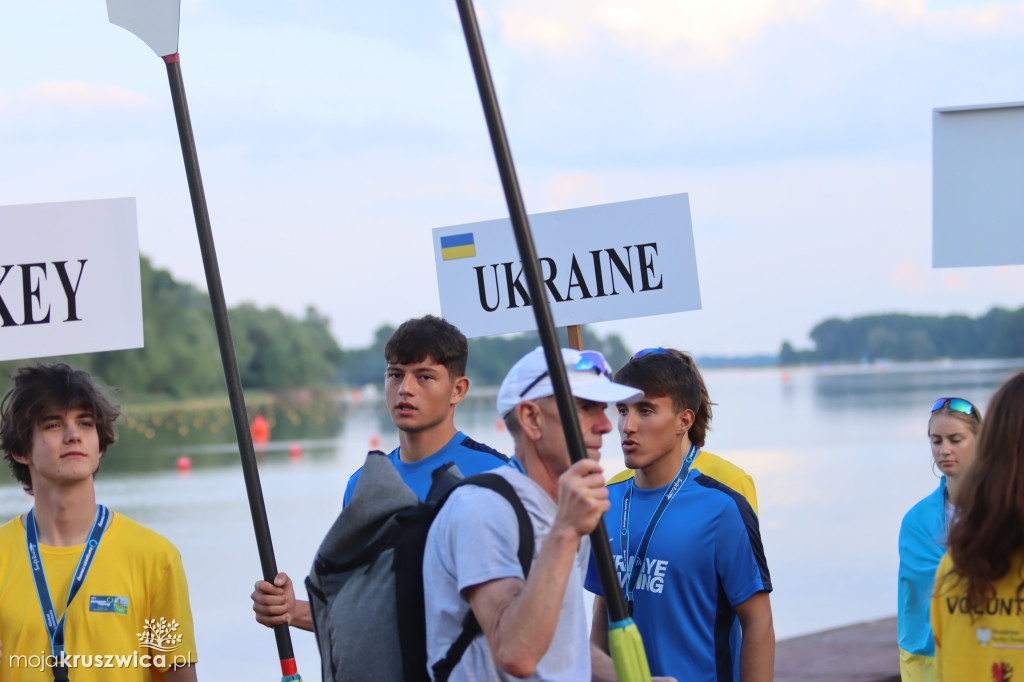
<point x="499" y="425"/>
<point x="184" y="463"/>
<point x="260" y="430"/>
<point x="295" y="451"/>
<point x="374" y="441"/>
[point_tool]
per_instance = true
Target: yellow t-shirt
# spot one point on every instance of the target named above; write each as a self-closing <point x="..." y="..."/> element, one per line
<point x="982" y="646"/>
<point x="721" y="470"/>
<point x="125" y="622"/>
<point x="917" y="668"/>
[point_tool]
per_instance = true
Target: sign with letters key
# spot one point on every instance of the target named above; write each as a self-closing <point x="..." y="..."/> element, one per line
<point x="606" y="262"/>
<point x="69" y="278"/>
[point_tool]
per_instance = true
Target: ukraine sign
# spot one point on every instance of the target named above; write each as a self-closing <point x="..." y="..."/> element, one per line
<point x="607" y="262"/>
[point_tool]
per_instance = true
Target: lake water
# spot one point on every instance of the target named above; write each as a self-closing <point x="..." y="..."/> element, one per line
<point x="838" y="455"/>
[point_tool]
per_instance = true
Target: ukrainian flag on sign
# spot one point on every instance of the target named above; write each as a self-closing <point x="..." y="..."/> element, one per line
<point x="457" y="246"/>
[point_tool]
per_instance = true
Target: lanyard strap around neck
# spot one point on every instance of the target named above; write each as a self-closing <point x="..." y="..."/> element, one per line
<point x="633" y="569"/>
<point x="55" y="626"/>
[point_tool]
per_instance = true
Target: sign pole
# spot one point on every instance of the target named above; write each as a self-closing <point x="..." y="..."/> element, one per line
<point x="575" y="336"/>
<point x="624" y="638"/>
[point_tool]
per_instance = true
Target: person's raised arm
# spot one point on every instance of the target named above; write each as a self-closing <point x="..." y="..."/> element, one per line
<point x="276" y="604"/>
<point x="757" y="652"/>
<point x="519" y="618"/>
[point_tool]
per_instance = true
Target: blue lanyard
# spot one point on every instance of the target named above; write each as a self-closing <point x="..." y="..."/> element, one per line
<point x="633" y="570"/>
<point x="55" y="627"/>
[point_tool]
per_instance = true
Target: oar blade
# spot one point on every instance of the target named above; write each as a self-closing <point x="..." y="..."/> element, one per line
<point x="154" y="21"/>
<point x="627" y="650"/>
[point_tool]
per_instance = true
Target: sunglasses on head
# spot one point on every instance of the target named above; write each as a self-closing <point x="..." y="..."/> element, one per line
<point x="589" y="361"/>
<point x="650" y="351"/>
<point x="957" y="404"/>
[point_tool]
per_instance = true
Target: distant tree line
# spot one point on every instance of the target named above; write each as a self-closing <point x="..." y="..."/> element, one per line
<point x="275" y="350"/>
<point x="999" y="333"/>
<point x="181" y="357"/>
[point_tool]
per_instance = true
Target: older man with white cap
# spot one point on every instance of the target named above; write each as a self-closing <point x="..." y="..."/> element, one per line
<point x="534" y="627"/>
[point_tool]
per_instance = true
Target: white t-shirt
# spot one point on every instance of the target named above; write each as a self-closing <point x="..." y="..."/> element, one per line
<point x="474" y="540"/>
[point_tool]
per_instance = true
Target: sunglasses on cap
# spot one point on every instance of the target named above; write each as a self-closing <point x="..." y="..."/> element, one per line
<point x="651" y="351"/>
<point x="957" y="404"/>
<point x="589" y="360"/>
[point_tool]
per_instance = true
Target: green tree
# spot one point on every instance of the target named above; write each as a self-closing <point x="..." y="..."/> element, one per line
<point x="181" y="356"/>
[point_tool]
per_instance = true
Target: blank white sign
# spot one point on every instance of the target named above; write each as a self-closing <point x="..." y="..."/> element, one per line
<point x="978" y="185"/>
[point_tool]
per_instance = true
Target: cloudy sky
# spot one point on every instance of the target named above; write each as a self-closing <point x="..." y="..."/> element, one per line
<point x="334" y="136"/>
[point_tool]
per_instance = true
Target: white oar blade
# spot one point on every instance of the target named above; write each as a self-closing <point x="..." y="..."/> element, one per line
<point x="155" y="21"/>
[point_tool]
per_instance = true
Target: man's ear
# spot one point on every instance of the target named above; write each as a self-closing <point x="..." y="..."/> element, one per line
<point x="686" y="419"/>
<point x="460" y="387"/>
<point x="531" y="419"/>
<point x="20" y="459"/>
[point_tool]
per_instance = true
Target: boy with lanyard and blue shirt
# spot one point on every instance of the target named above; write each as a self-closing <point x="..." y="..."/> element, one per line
<point x="424" y="381"/>
<point x="688" y="548"/>
<point x="84" y="592"/>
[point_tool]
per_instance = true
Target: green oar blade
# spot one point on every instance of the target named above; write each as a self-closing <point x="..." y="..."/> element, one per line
<point x="627" y="650"/>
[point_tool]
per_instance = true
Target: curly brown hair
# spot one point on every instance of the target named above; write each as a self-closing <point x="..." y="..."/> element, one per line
<point x="989" y="529"/>
<point x="40" y="388"/>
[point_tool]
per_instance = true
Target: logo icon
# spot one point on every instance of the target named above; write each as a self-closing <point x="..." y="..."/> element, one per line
<point x="160" y="634"/>
<point x="105" y="604"/>
<point x="984" y="636"/>
<point x="1002" y="672"/>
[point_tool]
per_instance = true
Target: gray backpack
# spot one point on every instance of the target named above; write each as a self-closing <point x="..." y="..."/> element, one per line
<point x="366" y="585"/>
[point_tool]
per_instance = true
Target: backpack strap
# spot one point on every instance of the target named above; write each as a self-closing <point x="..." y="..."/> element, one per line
<point x="470" y="627"/>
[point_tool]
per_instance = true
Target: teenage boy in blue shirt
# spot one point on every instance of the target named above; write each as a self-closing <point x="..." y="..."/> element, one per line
<point x="694" y="542"/>
<point x="424" y="381"/>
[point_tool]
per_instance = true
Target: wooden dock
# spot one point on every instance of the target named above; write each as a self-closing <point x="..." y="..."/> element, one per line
<point x="864" y="652"/>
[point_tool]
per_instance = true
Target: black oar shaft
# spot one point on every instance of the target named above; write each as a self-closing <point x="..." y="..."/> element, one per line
<point x="541" y="309"/>
<point x="227" y="349"/>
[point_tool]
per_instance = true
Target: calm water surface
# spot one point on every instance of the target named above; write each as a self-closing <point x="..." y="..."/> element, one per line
<point x="838" y="455"/>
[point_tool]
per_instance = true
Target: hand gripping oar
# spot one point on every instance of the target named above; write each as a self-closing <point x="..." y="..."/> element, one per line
<point x="156" y="23"/>
<point x="624" y="640"/>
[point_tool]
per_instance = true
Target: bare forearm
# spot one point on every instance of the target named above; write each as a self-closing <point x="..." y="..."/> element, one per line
<point x="302" y="616"/>
<point x="185" y="673"/>
<point x="599" y="625"/>
<point x="757" y="652"/>
<point x="602" y="667"/>
<point x="527" y="626"/>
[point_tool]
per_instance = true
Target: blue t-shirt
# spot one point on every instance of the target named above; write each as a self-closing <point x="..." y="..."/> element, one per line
<point x="471" y="458"/>
<point x="704" y="558"/>
<point x="922" y="544"/>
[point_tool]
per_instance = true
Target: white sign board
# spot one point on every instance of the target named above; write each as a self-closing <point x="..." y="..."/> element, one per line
<point x="69" y="278"/>
<point x="978" y="185"/>
<point x="607" y="262"/>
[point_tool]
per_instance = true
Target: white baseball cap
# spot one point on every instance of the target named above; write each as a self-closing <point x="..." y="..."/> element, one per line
<point x="588" y="379"/>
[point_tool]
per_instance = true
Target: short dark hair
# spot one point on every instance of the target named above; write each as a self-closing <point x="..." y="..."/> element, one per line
<point x="672" y="374"/>
<point x="40" y="388"/>
<point x="429" y="337"/>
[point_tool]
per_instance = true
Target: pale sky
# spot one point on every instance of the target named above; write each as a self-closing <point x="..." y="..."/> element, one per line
<point x="334" y="136"/>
